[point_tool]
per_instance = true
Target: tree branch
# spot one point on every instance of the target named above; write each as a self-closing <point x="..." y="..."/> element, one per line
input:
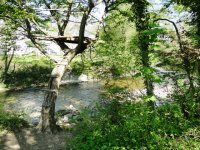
<point x="96" y="19"/>
<point x="54" y="9"/>
<point x="64" y="25"/>
<point x="74" y="39"/>
<point x="177" y="32"/>
<point x="81" y="45"/>
<point x="185" y="58"/>
<point x="30" y="36"/>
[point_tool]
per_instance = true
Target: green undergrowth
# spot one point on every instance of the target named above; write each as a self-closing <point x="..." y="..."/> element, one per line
<point x="26" y="71"/>
<point x="31" y="60"/>
<point x="28" y="76"/>
<point x="134" y="126"/>
<point x="125" y="125"/>
<point x="11" y="121"/>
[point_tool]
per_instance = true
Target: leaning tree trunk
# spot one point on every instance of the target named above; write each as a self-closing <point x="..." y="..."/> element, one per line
<point x="48" y="122"/>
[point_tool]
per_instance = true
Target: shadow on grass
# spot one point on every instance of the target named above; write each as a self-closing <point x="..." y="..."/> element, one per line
<point x="17" y="134"/>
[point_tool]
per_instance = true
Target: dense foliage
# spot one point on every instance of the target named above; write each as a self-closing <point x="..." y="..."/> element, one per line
<point x="128" y="125"/>
<point x="11" y="120"/>
<point x="134" y="41"/>
<point x="26" y="71"/>
<point x="134" y="126"/>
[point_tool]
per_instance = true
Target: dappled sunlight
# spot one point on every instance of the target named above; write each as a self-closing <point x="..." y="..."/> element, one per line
<point x="127" y="82"/>
<point x="32" y="138"/>
<point x="99" y="74"/>
<point x="9" y="141"/>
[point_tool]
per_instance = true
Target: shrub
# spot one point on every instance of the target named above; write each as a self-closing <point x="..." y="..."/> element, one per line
<point x="33" y="75"/>
<point x="132" y="126"/>
<point x="11" y="121"/>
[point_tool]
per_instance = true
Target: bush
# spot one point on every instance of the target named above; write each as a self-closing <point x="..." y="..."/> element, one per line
<point x="11" y="121"/>
<point x="79" y="67"/>
<point x="33" y="75"/>
<point x="133" y="126"/>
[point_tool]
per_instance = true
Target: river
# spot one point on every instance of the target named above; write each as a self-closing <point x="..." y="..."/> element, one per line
<point x="76" y="96"/>
<point x="29" y="101"/>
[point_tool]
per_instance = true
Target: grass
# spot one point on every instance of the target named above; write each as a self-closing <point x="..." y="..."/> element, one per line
<point x="27" y="70"/>
<point x="128" y="82"/>
<point x="11" y="121"/>
<point x="3" y="87"/>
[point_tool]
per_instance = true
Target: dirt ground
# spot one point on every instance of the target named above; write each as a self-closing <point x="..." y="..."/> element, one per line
<point x="32" y="139"/>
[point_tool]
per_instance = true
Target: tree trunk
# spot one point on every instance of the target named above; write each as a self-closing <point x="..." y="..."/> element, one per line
<point x="144" y="50"/>
<point x="141" y="16"/>
<point x="7" y="64"/>
<point x="198" y="71"/>
<point x="48" y="122"/>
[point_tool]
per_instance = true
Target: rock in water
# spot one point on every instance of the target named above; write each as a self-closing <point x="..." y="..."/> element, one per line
<point x="83" y="77"/>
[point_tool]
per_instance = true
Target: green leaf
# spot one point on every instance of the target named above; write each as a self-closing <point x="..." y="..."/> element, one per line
<point x="156" y="79"/>
<point x="137" y="75"/>
<point x="148" y="99"/>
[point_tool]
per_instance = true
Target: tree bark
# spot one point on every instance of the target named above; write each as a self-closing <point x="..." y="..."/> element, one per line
<point x="144" y="52"/>
<point x="48" y="122"/>
<point x="7" y="64"/>
<point x="141" y="17"/>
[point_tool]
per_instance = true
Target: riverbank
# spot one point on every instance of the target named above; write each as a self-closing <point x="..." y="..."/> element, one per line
<point x="79" y="94"/>
<point x="71" y="98"/>
<point x="3" y="88"/>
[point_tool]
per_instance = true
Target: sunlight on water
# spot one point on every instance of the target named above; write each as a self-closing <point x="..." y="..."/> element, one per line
<point x="128" y="82"/>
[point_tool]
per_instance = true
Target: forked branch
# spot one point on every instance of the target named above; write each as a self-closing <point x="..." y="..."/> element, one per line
<point x="37" y="45"/>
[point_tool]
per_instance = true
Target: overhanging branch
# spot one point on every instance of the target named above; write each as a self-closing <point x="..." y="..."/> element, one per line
<point x="73" y="40"/>
<point x="184" y="56"/>
<point x="81" y="40"/>
<point x="30" y="36"/>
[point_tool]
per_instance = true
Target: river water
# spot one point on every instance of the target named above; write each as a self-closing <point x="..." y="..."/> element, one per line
<point x="76" y="96"/>
<point x="29" y="101"/>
